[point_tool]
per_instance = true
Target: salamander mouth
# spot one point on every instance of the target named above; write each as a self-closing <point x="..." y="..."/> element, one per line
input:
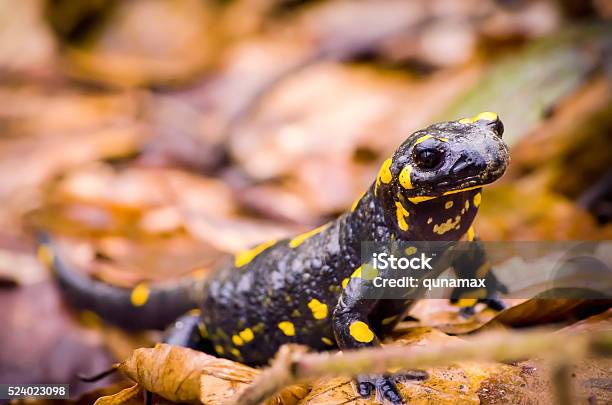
<point x="452" y="186"/>
<point x="472" y="181"/>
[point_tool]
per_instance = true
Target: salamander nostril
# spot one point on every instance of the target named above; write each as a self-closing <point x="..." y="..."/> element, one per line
<point x="467" y="164"/>
<point x="459" y="165"/>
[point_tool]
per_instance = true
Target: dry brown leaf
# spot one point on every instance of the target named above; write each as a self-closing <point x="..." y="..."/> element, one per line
<point x="91" y="396"/>
<point x="185" y="375"/>
<point x="123" y="397"/>
<point x="540" y="311"/>
<point x="520" y="312"/>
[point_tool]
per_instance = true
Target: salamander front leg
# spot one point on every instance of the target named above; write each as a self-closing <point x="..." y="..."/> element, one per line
<point x="352" y="331"/>
<point x="473" y="264"/>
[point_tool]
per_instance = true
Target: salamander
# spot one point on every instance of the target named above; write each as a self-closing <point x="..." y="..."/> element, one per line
<point x="304" y="289"/>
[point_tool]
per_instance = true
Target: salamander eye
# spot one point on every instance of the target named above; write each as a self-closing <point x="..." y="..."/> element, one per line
<point x="427" y="158"/>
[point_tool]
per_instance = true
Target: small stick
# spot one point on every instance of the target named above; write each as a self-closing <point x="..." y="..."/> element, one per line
<point x="562" y="383"/>
<point x="100" y="375"/>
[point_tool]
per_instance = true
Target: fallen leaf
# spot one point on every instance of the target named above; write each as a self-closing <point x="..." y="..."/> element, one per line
<point x="184" y="375"/>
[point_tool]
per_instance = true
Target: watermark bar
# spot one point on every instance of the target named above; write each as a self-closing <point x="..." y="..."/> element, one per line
<point x="479" y="270"/>
<point x="37" y="391"/>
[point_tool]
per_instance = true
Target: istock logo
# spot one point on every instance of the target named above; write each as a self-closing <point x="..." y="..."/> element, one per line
<point x="384" y="261"/>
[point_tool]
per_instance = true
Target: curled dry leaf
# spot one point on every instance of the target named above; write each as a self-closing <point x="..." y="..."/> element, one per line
<point x="123" y="397"/>
<point x="539" y="311"/>
<point x="184" y="375"/>
<point x="520" y="312"/>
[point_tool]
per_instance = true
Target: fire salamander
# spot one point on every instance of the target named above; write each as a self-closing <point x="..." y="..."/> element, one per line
<point x="302" y="289"/>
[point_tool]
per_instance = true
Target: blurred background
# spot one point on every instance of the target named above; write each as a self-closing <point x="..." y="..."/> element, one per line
<point x="157" y="137"/>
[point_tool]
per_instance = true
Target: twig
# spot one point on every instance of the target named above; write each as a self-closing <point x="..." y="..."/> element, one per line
<point x="292" y="364"/>
<point x="562" y="383"/>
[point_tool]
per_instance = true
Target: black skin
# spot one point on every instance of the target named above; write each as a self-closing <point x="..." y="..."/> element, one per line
<point x="292" y="291"/>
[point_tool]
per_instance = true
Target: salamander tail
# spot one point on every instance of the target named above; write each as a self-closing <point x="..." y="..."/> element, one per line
<point x="143" y="307"/>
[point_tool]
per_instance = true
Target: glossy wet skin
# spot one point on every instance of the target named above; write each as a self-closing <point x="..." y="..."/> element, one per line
<point x="305" y="289"/>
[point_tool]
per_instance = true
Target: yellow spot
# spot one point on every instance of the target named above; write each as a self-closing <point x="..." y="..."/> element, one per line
<point x="298" y="240"/>
<point x="45" y="255"/>
<point x="429" y="220"/>
<point x="357" y="273"/>
<point x="237" y="340"/>
<point x="244" y="258"/>
<point x="388" y="320"/>
<point x="327" y="341"/>
<point x="345" y="282"/>
<point x="194" y="312"/>
<point x="319" y="309"/>
<point x="384" y="174"/>
<point x="404" y="177"/>
<point x="402" y="214"/>
<point x="442" y="139"/>
<point x="235" y="352"/>
<point x="466" y="302"/>
<point x="410" y="250"/>
<point x="416" y="200"/>
<point x="287" y="327"/>
<point x="219" y="349"/>
<point x="140" y="295"/>
<point x="247" y="335"/>
<point x="449" y="204"/>
<point x="461" y="190"/>
<point x="202" y="329"/>
<point x="470" y="233"/>
<point x="449" y="225"/>
<point x="483" y="270"/>
<point x="477" y="199"/>
<point x="361" y="332"/>
<point x="356" y="203"/>
<point x="487" y="116"/>
<point x="467" y="205"/>
<point x="423" y="138"/>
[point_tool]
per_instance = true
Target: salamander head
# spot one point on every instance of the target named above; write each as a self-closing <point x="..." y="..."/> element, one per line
<point x="448" y="157"/>
<point x="451" y="160"/>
